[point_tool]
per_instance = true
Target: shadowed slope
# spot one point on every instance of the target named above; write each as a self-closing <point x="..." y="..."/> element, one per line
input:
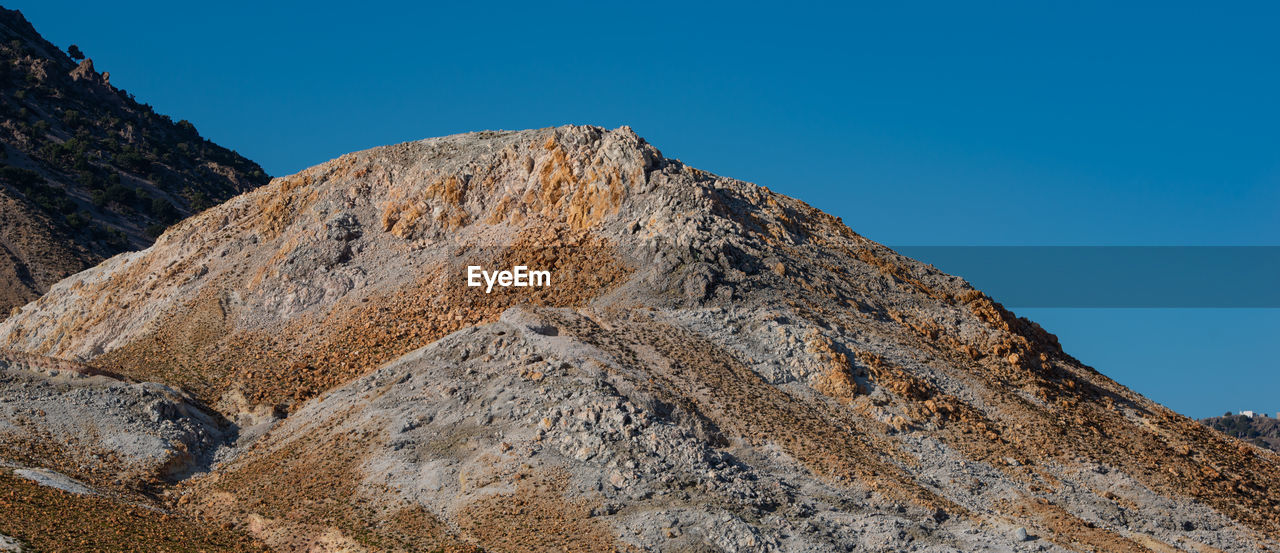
<point x="86" y="171"/>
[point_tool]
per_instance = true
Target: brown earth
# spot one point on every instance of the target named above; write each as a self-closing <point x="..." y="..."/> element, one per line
<point x="27" y="235"/>
<point x="47" y="519"/>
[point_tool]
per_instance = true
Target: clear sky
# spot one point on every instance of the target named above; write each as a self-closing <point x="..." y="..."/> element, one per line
<point x="921" y="123"/>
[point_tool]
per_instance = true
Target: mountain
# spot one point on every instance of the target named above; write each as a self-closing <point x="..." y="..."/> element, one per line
<point x="86" y="171"/>
<point x="1259" y="430"/>
<point x="711" y="367"/>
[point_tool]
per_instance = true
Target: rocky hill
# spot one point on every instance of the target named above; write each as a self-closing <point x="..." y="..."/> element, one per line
<point x="713" y="367"/>
<point x="86" y="171"/>
<point x="1259" y="430"/>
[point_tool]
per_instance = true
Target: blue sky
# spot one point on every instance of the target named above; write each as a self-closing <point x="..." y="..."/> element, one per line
<point x="919" y="123"/>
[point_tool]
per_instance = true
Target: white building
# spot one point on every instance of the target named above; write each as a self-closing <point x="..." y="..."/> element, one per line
<point x="1247" y="413"/>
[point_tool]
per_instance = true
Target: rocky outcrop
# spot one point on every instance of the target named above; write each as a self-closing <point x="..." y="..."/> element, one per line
<point x="713" y="367"/>
<point x="85" y="71"/>
<point x="60" y="414"/>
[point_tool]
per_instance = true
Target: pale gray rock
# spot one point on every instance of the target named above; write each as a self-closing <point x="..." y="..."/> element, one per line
<point x="55" y="480"/>
<point x="10" y="545"/>
<point x="96" y="420"/>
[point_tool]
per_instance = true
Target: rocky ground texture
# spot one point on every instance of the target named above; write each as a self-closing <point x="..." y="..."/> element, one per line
<point x="714" y="367"/>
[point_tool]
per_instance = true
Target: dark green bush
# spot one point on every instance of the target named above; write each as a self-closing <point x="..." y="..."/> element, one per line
<point x="20" y="177"/>
<point x="120" y="194"/>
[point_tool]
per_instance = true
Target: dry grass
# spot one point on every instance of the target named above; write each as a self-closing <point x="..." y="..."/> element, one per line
<point x="47" y="519"/>
<point x="536" y="518"/>
<point x="306" y="492"/>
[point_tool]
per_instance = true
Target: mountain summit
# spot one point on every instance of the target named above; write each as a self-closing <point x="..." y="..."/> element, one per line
<point x="711" y="367"/>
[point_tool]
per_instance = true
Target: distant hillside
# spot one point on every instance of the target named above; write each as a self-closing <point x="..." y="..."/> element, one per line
<point x="86" y="171"/>
<point x="1259" y="430"/>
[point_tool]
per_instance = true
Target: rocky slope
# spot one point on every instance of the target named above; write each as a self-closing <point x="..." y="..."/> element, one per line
<point x="122" y="432"/>
<point x="123" y="441"/>
<point x="86" y="171"/>
<point x="714" y="367"/>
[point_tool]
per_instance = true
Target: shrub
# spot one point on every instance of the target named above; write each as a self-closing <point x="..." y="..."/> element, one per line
<point x="120" y="194"/>
<point x="131" y="160"/>
<point x="72" y="118"/>
<point x="20" y="177"/>
<point x="75" y="52"/>
<point x="77" y="220"/>
<point x="90" y="179"/>
<point x="51" y="199"/>
<point x="187" y="128"/>
<point x="110" y="237"/>
<point x="197" y="199"/>
<point x="164" y="211"/>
